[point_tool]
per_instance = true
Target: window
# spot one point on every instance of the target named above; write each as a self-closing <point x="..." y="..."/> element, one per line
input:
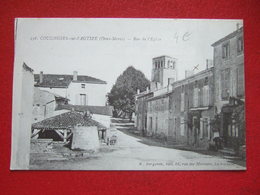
<point x="173" y="64"/>
<point x="206" y="95"/>
<point x="83" y="86"/>
<point x="83" y="99"/>
<point x="204" y="128"/>
<point x="240" y="81"/>
<point x="225" y="84"/>
<point x="195" y="97"/>
<point x="182" y="102"/>
<point x="151" y="123"/>
<point x="225" y="51"/>
<point x="240" y="45"/>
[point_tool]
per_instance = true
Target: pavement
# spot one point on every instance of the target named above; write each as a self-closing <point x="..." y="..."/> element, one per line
<point x="130" y="154"/>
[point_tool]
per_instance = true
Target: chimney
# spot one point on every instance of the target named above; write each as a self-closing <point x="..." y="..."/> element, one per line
<point x="75" y="75"/>
<point x="41" y="76"/>
<point x="209" y="63"/>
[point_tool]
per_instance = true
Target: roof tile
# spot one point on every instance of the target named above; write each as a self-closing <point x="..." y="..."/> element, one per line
<point x="66" y="121"/>
<point x="62" y="80"/>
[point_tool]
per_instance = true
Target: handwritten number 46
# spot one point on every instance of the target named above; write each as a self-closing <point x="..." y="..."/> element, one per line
<point x="184" y="37"/>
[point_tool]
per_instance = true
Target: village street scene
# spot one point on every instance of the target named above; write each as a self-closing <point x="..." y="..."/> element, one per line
<point x="165" y="122"/>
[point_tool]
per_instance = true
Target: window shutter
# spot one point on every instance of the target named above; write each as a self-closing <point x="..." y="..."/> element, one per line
<point x="206" y="95"/>
<point x="227" y="80"/>
<point x="195" y="97"/>
<point x="182" y="101"/>
<point x="240" y="81"/>
<point x="225" y="83"/>
<point x="201" y="127"/>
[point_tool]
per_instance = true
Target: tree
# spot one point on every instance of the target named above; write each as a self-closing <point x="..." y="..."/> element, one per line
<point x="122" y="94"/>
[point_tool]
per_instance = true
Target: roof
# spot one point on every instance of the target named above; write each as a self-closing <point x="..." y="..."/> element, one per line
<point x="229" y="36"/>
<point x="144" y="94"/>
<point x="66" y="121"/>
<point x="63" y="80"/>
<point x="159" y="96"/>
<point x="27" y="68"/>
<point x="192" y="78"/>
<point x="102" y="110"/>
<point x="163" y="56"/>
<point x="55" y="95"/>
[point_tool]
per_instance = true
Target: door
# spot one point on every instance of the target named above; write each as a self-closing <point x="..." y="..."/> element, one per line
<point x="170" y="128"/>
<point x="195" y="129"/>
<point x="230" y="133"/>
<point x="83" y="99"/>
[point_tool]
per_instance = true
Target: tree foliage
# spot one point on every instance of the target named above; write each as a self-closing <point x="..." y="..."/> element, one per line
<point x="123" y="91"/>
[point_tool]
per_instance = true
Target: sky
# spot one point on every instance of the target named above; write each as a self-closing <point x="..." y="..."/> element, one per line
<point x="104" y="48"/>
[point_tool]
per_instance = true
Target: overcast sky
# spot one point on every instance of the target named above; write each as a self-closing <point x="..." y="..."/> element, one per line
<point x="137" y="42"/>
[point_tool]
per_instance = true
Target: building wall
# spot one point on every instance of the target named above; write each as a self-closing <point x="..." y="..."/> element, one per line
<point x="43" y="105"/>
<point x="164" y="68"/>
<point x="21" y="118"/>
<point x="177" y="116"/>
<point x="141" y="112"/>
<point x="158" y="116"/>
<point x="95" y="93"/>
<point x="183" y="109"/>
<point x="60" y="91"/>
<point x="229" y="84"/>
<point x="235" y="63"/>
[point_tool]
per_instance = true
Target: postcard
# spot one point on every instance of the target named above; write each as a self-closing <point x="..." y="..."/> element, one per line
<point x="128" y="94"/>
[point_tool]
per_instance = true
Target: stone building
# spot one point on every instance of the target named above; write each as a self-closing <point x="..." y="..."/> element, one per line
<point x="45" y="104"/>
<point x="191" y="109"/>
<point x="164" y="71"/>
<point x="229" y="87"/>
<point x="141" y="110"/>
<point x="79" y="89"/>
<point x="203" y="106"/>
<point x="179" y="111"/>
<point x="150" y="110"/>
<point x="158" y="115"/>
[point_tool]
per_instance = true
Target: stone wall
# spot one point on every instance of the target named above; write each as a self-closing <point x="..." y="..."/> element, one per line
<point x="235" y="63"/>
<point x="22" y="115"/>
<point x="85" y="138"/>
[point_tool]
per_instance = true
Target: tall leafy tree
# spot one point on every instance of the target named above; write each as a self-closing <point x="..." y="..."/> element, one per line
<point x="123" y="91"/>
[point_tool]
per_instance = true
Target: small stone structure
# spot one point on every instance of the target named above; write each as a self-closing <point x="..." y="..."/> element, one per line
<point x="85" y="138"/>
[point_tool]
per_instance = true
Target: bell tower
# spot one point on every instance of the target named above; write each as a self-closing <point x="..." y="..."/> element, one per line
<point x="164" y="71"/>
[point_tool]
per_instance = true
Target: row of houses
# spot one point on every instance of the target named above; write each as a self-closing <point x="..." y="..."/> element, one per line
<point x="203" y="106"/>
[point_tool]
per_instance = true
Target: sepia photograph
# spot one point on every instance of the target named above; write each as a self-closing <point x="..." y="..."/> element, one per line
<point x="128" y="94"/>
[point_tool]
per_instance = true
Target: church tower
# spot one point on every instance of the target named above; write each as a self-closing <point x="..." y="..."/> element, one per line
<point x="164" y="72"/>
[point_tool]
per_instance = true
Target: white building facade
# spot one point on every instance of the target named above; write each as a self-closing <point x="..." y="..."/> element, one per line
<point x="79" y="89"/>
